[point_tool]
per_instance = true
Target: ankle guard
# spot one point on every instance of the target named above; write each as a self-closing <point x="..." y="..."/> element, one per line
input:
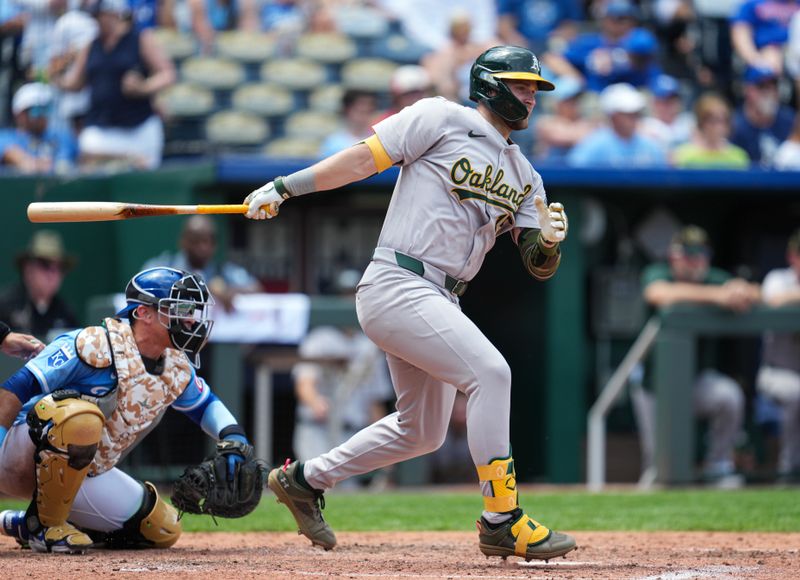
<point x="154" y="525"/>
<point x="502" y="481"/>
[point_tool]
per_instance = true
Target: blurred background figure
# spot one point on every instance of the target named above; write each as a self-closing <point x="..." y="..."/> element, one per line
<point x="448" y="67"/>
<point x="33" y="305"/>
<point x="598" y="58"/>
<point x="642" y="67"/>
<point x="16" y="344"/>
<point x="73" y="32"/>
<point x="197" y="254"/>
<point x="760" y="30"/>
<point x="341" y="384"/>
<point x="688" y="277"/>
<point x="12" y="23"/>
<point x="669" y="123"/>
<point x="558" y="131"/>
<point x="40" y="18"/>
<point x="787" y="157"/>
<point x="358" y="110"/>
<point x="621" y="144"/>
<point x="779" y="375"/>
<point x="33" y="146"/>
<point x="761" y="123"/>
<point x="538" y="24"/>
<point x="208" y="17"/>
<point x="409" y="84"/>
<point x="709" y="147"/>
<point x="124" y="69"/>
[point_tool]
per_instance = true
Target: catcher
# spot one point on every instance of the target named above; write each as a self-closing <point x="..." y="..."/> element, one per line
<point x="75" y="410"/>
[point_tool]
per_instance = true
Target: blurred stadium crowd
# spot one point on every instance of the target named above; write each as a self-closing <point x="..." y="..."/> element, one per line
<point x="88" y="84"/>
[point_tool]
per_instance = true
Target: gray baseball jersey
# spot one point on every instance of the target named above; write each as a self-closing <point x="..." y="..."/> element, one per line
<point x="461" y="183"/>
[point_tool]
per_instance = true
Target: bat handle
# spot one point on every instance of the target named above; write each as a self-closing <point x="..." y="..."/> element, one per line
<point x="222" y="208"/>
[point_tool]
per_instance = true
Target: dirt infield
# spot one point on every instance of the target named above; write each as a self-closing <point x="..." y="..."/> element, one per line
<point x="425" y="555"/>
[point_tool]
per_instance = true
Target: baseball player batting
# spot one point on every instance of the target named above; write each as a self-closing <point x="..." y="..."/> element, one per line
<point x="462" y="183"/>
<point x="75" y="410"/>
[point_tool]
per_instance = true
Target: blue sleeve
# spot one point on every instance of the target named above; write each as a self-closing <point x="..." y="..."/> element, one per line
<point x="746" y="13"/>
<point x="578" y="50"/>
<point x="203" y="407"/>
<point x="66" y="147"/>
<point x="584" y="153"/>
<point x="8" y="139"/>
<point x="23" y="384"/>
<point x="58" y="366"/>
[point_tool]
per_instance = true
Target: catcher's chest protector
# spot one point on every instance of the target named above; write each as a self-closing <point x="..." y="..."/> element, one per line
<point x="142" y="398"/>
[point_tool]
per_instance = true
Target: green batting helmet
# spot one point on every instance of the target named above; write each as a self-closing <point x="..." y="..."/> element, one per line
<point x="504" y="62"/>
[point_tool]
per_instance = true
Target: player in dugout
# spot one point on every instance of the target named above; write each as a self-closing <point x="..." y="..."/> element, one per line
<point x="462" y="183"/>
<point x="72" y="413"/>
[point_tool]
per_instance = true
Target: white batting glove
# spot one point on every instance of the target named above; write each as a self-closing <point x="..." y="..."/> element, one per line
<point x="263" y="202"/>
<point x="552" y="221"/>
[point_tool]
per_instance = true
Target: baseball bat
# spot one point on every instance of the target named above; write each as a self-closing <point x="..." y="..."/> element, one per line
<point x="103" y="211"/>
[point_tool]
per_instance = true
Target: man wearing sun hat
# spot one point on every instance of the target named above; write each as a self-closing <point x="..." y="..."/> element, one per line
<point x="32" y="146"/>
<point x="33" y="305"/>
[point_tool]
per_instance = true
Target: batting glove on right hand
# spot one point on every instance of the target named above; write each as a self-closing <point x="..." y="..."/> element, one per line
<point x="263" y="202"/>
<point x="553" y="223"/>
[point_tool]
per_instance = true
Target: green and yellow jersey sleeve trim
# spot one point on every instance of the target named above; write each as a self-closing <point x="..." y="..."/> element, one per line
<point x="382" y="160"/>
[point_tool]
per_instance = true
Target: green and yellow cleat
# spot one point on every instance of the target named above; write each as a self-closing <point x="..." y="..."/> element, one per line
<point x="523" y="537"/>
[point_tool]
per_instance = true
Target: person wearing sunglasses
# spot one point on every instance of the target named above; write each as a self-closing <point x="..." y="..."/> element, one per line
<point x="32" y="145"/>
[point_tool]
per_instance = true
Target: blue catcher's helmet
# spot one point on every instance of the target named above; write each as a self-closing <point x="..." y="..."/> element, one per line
<point x="182" y="301"/>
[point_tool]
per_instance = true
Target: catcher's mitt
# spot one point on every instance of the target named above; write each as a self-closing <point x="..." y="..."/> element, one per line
<point x="205" y="488"/>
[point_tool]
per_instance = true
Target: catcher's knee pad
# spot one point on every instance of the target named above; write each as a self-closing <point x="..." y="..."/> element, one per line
<point x="154" y="525"/>
<point x="66" y="431"/>
<point x="502" y="481"/>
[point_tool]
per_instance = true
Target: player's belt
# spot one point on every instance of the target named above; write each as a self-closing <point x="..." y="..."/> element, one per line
<point x="420" y="268"/>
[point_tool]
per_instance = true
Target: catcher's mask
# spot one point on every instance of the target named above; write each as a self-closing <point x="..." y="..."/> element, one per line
<point x="182" y="301"/>
<point x="486" y="80"/>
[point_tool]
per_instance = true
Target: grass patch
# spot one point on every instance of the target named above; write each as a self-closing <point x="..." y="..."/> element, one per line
<point x="763" y="510"/>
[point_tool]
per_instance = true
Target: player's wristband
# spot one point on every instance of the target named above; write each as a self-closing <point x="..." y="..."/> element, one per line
<point x="547" y="248"/>
<point x="5" y="330"/>
<point x="298" y="183"/>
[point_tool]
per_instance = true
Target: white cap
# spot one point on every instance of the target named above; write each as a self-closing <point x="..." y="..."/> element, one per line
<point x="31" y="95"/>
<point x="621" y="98"/>
<point x="410" y="77"/>
<point x="73" y="31"/>
<point x="325" y="343"/>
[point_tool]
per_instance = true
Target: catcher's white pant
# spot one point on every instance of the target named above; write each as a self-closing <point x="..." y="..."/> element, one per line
<point x="433" y="349"/>
<point x="103" y="503"/>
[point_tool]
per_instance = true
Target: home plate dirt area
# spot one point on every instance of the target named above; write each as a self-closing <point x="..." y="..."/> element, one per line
<point x="425" y="555"/>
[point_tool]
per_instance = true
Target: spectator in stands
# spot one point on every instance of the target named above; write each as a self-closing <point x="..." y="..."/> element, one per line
<point x="709" y="147"/>
<point x="787" y="158"/>
<point x="40" y="17"/>
<point x="197" y="250"/>
<point x="779" y="375"/>
<point x="559" y="131"/>
<point x="12" y="24"/>
<point x="793" y="56"/>
<point x="358" y="110"/>
<point x="759" y="31"/>
<point x="211" y="16"/>
<point x="73" y="31"/>
<point x="621" y="144"/>
<point x="33" y="305"/>
<point x="409" y="84"/>
<point x="690" y="278"/>
<point x="669" y="123"/>
<point x="427" y="23"/>
<point x="449" y="66"/>
<point x="147" y="14"/>
<point x="538" y="24"/>
<point x="124" y="69"/>
<point x="598" y="58"/>
<point x="761" y="123"/>
<point x="642" y="68"/>
<point x="33" y="146"/>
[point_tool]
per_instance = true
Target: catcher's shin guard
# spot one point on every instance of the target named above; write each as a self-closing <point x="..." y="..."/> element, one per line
<point x="305" y="504"/>
<point x="154" y="525"/>
<point x="519" y="535"/>
<point x="66" y="431"/>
